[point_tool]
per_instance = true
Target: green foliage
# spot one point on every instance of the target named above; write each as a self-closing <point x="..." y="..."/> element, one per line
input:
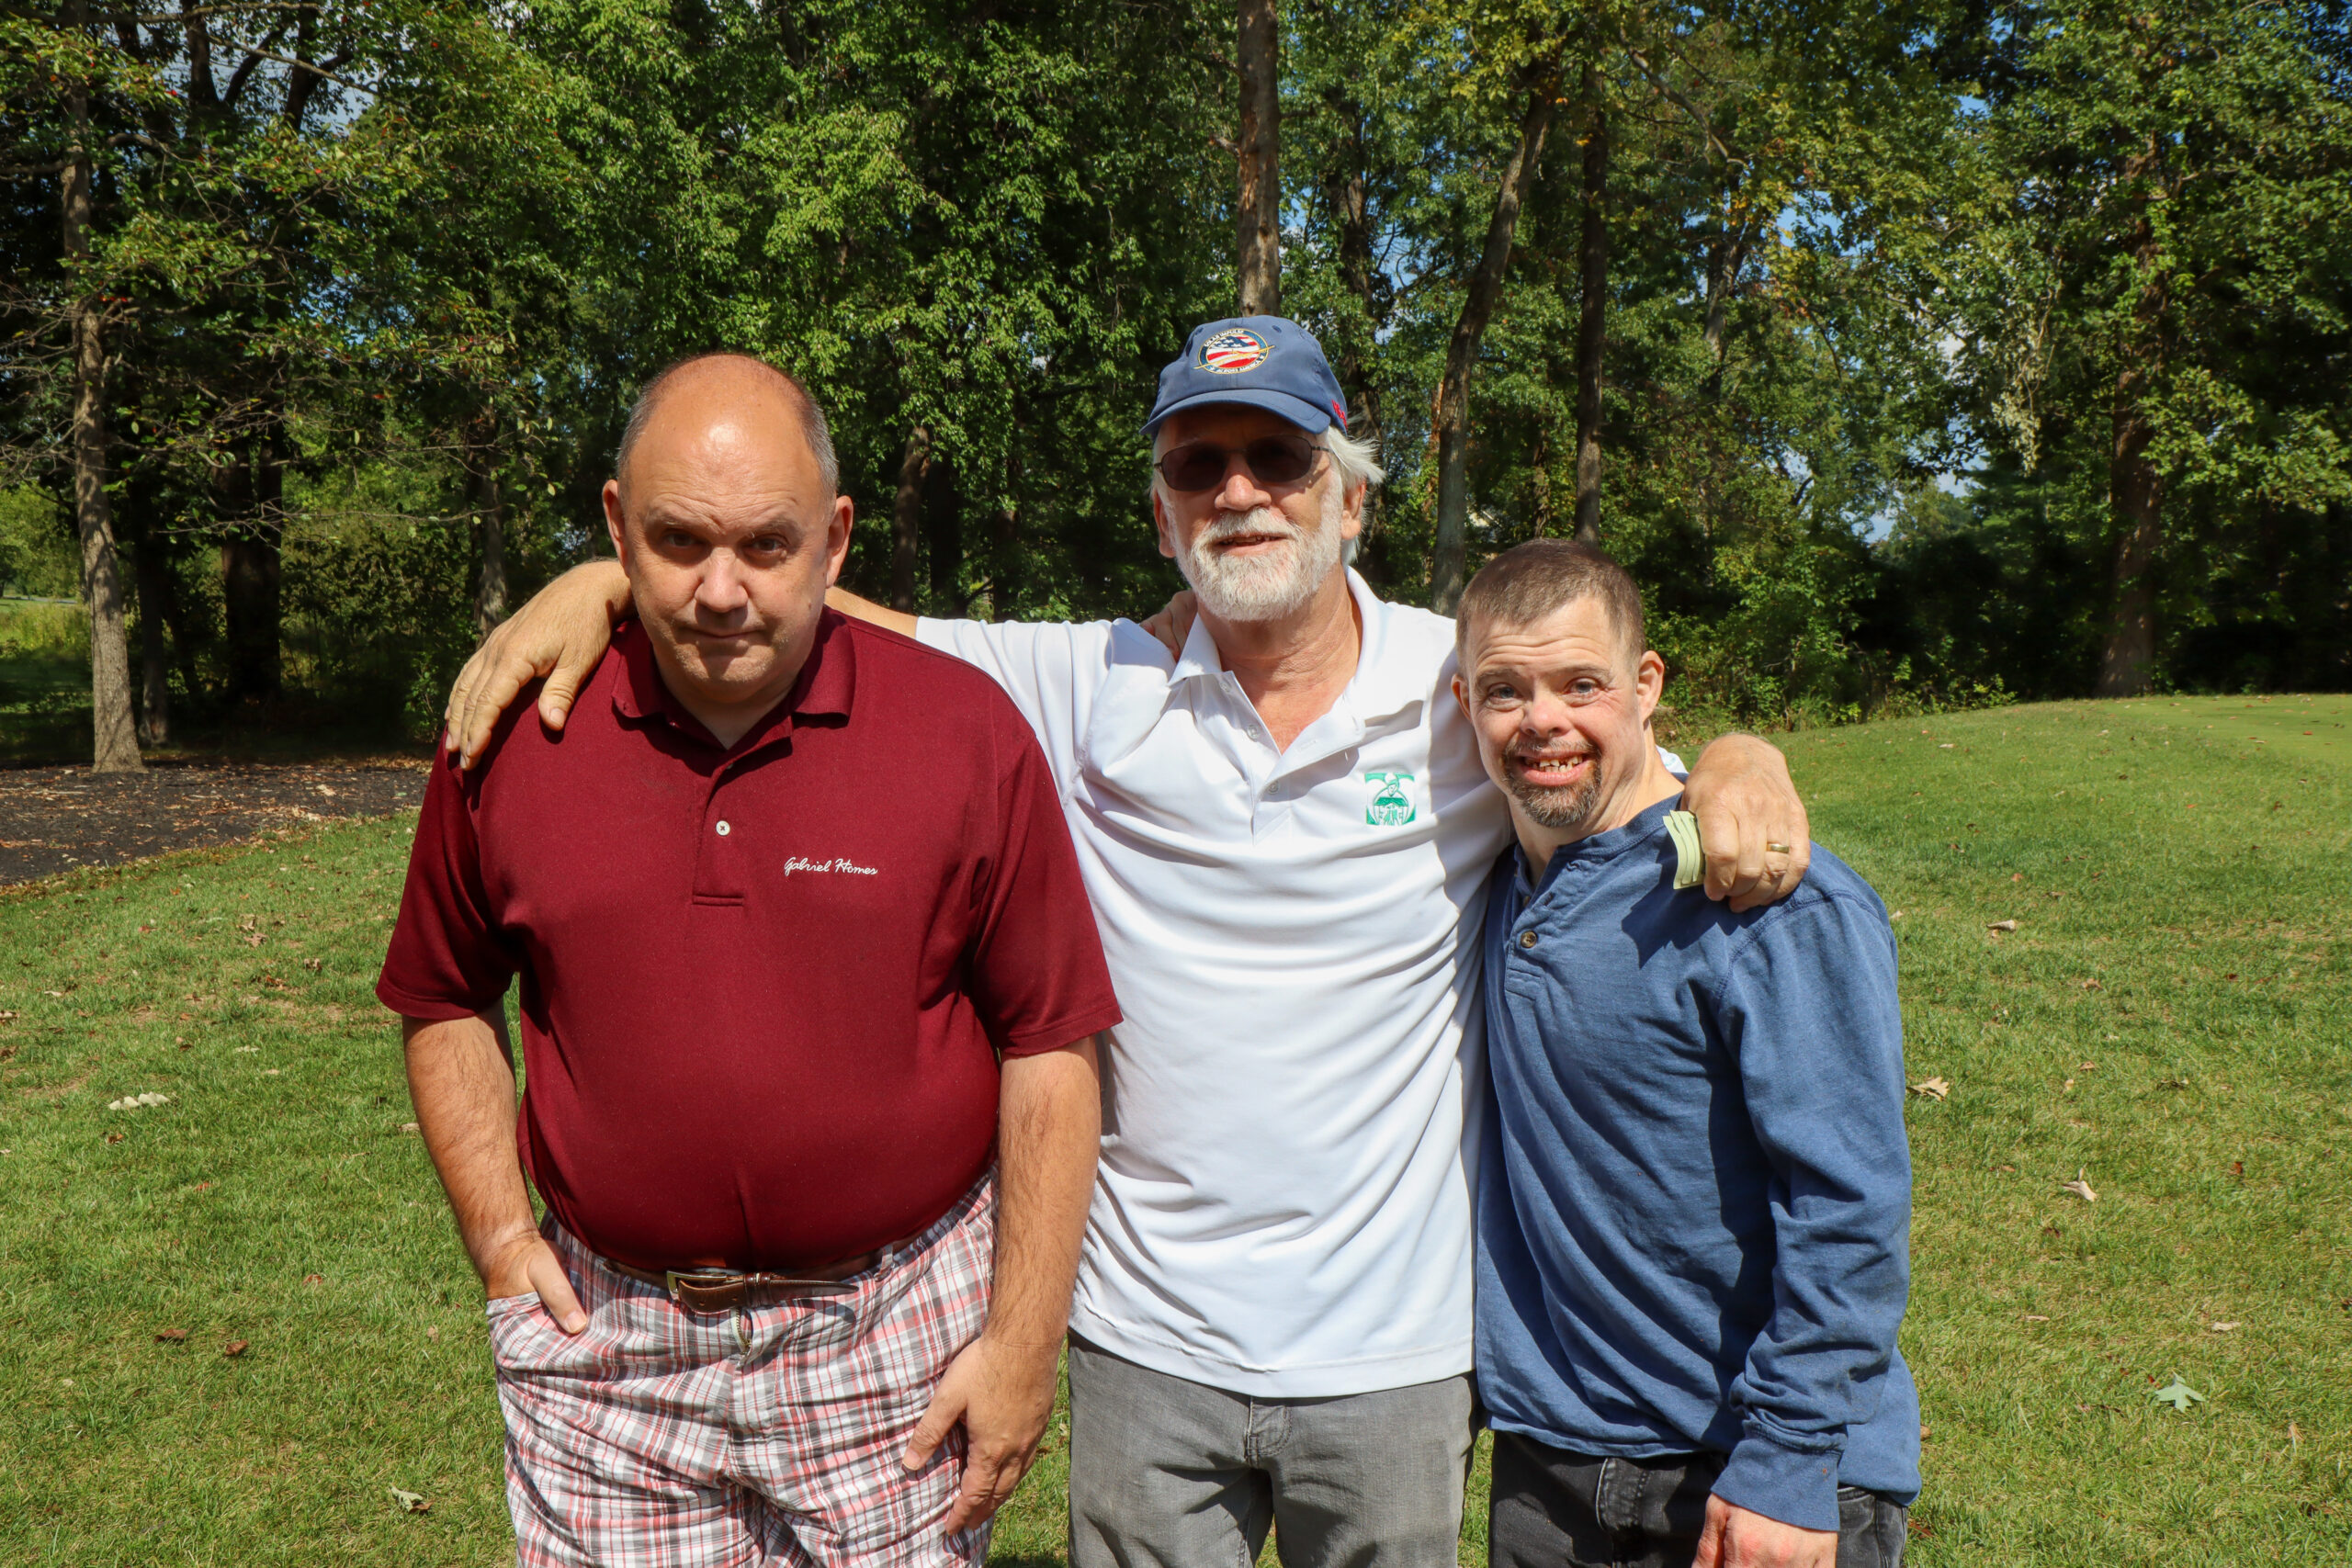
<point x="369" y="316"/>
<point x="37" y="555"/>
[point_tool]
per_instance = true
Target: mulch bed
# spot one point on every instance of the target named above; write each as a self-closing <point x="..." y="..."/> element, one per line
<point x="54" y="819"/>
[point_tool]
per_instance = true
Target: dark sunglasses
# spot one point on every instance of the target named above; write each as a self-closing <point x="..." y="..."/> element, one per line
<point x="1270" y="459"/>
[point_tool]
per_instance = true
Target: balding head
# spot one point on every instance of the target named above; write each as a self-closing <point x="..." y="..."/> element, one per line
<point x="735" y="375"/>
<point x="729" y="519"/>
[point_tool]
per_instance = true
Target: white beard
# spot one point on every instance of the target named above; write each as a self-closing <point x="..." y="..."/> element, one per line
<point x="1276" y="581"/>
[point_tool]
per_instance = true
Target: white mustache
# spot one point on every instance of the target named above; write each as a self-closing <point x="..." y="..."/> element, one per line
<point x="1235" y="524"/>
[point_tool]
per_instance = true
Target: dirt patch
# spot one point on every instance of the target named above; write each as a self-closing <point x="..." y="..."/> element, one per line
<point x="54" y="819"/>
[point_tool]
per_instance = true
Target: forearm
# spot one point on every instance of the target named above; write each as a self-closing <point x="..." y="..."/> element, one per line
<point x="603" y="575"/>
<point x="858" y="609"/>
<point x="1049" y="1132"/>
<point x="464" y="1093"/>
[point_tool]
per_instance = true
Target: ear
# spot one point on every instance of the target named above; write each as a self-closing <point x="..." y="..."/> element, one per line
<point x="837" y="532"/>
<point x="1159" y="524"/>
<point x="1462" y="696"/>
<point x="1351" y="511"/>
<point x="1649" y="682"/>
<point x="614" y="524"/>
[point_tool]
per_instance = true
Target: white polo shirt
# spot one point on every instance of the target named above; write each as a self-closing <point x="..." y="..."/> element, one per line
<point x="1287" y="1154"/>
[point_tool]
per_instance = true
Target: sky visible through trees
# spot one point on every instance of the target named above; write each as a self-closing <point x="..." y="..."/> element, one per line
<point x="1909" y="355"/>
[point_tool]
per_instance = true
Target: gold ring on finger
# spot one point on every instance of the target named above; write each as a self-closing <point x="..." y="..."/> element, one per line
<point x="1777" y="849"/>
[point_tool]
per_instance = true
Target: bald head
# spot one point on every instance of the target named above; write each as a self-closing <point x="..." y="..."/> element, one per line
<point x="709" y="385"/>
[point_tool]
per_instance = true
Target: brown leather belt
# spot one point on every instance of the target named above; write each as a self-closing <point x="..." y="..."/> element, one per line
<point x="724" y="1290"/>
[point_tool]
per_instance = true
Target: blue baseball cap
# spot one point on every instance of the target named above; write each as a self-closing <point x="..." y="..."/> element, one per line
<point x="1266" y="362"/>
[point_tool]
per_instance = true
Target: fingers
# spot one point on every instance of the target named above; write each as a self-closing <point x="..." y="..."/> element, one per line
<point x="548" y="1278"/>
<point x="987" y="1487"/>
<point x="1711" y="1535"/>
<point x="939" y="1418"/>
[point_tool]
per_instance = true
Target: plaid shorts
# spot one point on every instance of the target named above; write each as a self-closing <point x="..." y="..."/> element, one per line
<point x="657" y="1437"/>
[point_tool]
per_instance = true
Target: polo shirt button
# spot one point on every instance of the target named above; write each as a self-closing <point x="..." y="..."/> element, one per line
<point x="1527" y="939"/>
<point x="724" y="829"/>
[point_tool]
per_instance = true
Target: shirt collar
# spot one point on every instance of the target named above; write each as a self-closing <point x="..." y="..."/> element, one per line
<point x="826" y="687"/>
<point x="1597" y="850"/>
<point x="1388" y="679"/>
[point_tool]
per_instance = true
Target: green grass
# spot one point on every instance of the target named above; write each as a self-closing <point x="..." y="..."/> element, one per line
<point x="2215" y="1127"/>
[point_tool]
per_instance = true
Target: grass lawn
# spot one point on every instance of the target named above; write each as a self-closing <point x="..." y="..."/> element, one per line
<point x="2167" y="1021"/>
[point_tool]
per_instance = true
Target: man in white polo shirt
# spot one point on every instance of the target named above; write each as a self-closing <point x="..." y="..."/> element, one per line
<point x="1285" y="830"/>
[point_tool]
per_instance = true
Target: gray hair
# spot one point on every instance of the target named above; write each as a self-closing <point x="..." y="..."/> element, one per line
<point x="813" y="424"/>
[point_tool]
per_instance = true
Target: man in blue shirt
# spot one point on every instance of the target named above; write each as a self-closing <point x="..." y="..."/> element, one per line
<point x="1695" y="1199"/>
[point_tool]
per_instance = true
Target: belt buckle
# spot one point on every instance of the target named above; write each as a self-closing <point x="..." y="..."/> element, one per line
<point x="679" y="1280"/>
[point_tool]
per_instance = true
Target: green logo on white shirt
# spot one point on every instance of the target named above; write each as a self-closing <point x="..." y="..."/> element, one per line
<point x="1391" y="807"/>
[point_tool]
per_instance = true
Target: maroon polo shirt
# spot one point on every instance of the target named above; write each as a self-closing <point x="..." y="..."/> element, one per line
<point x="764" y="988"/>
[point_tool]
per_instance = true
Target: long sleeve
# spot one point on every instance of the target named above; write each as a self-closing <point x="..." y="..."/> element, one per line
<point x="1809" y="1009"/>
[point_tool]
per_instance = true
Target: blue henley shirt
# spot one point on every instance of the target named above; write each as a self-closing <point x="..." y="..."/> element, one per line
<point x="1695" y="1203"/>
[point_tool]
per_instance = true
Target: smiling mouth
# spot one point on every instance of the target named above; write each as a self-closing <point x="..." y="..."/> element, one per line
<point x="1546" y="770"/>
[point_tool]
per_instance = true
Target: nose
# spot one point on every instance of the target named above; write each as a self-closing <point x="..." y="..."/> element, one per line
<point x="721" y="591"/>
<point x="1239" y="492"/>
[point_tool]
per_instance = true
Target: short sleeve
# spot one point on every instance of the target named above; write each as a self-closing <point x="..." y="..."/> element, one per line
<point x="447" y="959"/>
<point x="1035" y="967"/>
<point x="1051" y="669"/>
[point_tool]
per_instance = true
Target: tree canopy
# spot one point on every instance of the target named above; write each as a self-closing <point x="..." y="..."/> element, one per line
<point x="1908" y="353"/>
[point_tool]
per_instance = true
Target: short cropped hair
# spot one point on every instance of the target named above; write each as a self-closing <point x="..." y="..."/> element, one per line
<point x="1530" y="582"/>
<point x="813" y="424"/>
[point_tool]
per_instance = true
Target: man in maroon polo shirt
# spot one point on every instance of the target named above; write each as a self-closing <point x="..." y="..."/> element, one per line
<point x="809" y="986"/>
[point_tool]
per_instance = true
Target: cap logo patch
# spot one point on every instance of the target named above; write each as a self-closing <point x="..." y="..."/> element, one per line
<point x="1234" y="350"/>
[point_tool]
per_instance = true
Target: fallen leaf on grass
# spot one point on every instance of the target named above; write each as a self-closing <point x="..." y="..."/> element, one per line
<point x="1916" y="1528"/>
<point x="2237" y="1167"/>
<point x="2093" y="985"/>
<point x="2226" y="1327"/>
<point x="314" y="1278"/>
<point x="170" y="1335"/>
<point x="6" y="1016"/>
<point x="2001" y="926"/>
<point x="136" y="1102"/>
<point x="2177" y="1394"/>
<point x="314" y="964"/>
<point x="411" y="1502"/>
<point x="432" y="1332"/>
<point x="235" y="1348"/>
<point x="1931" y="1088"/>
<point x="2294" y="1435"/>
<point x="114" y="1137"/>
<point x="2035" y="1317"/>
<point x="2079" y="1187"/>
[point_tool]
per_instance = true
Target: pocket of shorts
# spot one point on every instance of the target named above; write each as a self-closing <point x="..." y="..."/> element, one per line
<point x="497" y="1307"/>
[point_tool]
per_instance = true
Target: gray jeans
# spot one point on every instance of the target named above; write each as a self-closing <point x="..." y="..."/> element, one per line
<point x="1165" y="1472"/>
<point x="1557" y="1509"/>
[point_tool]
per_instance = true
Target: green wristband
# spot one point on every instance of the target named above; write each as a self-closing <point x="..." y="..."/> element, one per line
<point x="1689" y="868"/>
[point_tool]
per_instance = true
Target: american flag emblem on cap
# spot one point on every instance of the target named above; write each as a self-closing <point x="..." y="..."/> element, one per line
<point x="1233" y="350"/>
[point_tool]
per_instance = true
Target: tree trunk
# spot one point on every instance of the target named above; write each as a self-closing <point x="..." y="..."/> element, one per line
<point x="114" y="728"/>
<point x="489" y="509"/>
<point x="154" y="668"/>
<point x="2135" y="490"/>
<point x="249" y="582"/>
<point x="907" y="519"/>
<point x="1452" y="413"/>
<point x="1592" y="320"/>
<point x="1351" y="202"/>
<point x="1260" y="147"/>
<point x="944" y="525"/>
<point x="2136" y="493"/>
